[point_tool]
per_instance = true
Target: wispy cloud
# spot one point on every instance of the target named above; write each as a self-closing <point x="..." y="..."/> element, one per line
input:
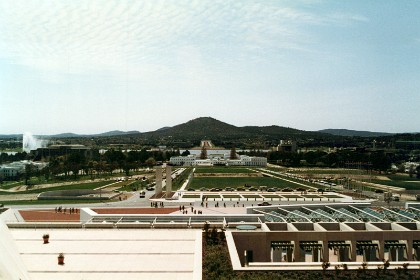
<point x="78" y="37"/>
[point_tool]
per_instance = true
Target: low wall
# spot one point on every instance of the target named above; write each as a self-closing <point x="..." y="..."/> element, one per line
<point x="11" y="264"/>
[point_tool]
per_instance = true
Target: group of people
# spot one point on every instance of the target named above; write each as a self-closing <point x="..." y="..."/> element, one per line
<point x="64" y="210"/>
<point x="156" y="204"/>
<point x="185" y="211"/>
<point x="224" y="204"/>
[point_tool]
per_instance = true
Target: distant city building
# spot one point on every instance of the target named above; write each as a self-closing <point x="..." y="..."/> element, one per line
<point x="287" y="146"/>
<point x="61" y="150"/>
<point x="15" y="169"/>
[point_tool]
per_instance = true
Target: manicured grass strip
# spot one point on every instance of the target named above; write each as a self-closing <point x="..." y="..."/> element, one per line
<point x="398" y="177"/>
<point x="270" y="196"/>
<point x="42" y="202"/>
<point x="212" y="196"/>
<point x="291" y="196"/>
<point x="9" y="185"/>
<point x="191" y="196"/>
<point x="179" y="180"/>
<point x="217" y="169"/>
<point x="231" y="196"/>
<point x="251" y="196"/>
<point x="84" y="186"/>
<point x="328" y="171"/>
<point x="400" y="184"/>
<point x="331" y="196"/>
<point x="130" y="185"/>
<point x="236" y="182"/>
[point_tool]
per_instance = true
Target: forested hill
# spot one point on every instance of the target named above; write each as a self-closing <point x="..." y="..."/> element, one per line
<point x="210" y="128"/>
<point x="351" y="133"/>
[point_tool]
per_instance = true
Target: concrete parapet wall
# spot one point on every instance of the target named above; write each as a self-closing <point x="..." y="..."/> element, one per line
<point x="201" y="225"/>
<point x="170" y="225"/>
<point x="11" y="264"/>
<point x="134" y="225"/>
<point x="44" y="225"/>
<point x="99" y="225"/>
<point x="86" y="214"/>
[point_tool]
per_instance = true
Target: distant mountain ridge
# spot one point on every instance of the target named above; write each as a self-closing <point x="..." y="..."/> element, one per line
<point x="208" y="127"/>
<point x="74" y="135"/>
<point x="354" y="133"/>
<point x="104" y="134"/>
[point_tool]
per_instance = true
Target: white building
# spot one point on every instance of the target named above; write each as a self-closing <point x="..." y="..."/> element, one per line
<point x="9" y="172"/>
<point x="242" y="161"/>
<point x="13" y="169"/>
<point x="183" y="161"/>
<point x="203" y="162"/>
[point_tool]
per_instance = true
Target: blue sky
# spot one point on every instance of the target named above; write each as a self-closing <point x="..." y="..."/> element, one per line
<point x="91" y="66"/>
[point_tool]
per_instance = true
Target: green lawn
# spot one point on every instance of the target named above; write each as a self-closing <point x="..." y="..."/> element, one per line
<point x="270" y="196"/>
<point x="291" y="196"/>
<point x="191" y="196"/>
<point x="221" y="169"/>
<point x="236" y="182"/>
<point x="331" y="196"/>
<point x="251" y="196"/>
<point x="211" y="195"/>
<point x="9" y="185"/>
<point x="88" y="186"/>
<point x="130" y="185"/>
<point x="400" y="177"/>
<point x="329" y="171"/>
<point x="41" y="202"/>
<point x="231" y="196"/>
<point x="401" y="184"/>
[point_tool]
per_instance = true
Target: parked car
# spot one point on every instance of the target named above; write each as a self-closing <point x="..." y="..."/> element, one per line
<point x="395" y="198"/>
<point x="265" y="203"/>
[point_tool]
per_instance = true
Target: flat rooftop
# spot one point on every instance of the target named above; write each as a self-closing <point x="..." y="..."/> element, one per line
<point x="111" y="254"/>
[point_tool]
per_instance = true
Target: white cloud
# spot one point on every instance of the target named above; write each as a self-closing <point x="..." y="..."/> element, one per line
<point x="79" y="37"/>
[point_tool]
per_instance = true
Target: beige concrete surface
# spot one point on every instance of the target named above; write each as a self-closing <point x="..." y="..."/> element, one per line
<point x="110" y="253"/>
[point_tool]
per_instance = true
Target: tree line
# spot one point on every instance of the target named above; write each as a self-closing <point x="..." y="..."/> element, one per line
<point x="76" y="163"/>
<point x="375" y="160"/>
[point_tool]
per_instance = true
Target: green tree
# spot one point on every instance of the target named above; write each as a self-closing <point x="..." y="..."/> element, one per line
<point x="28" y="172"/>
<point x="151" y="161"/>
<point x="75" y="162"/>
<point x="185" y="153"/>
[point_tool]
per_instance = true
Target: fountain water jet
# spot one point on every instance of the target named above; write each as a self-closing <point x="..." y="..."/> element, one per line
<point x="31" y="142"/>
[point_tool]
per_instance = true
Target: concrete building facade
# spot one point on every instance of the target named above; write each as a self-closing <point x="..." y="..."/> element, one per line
<point x="243" y="160"/>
